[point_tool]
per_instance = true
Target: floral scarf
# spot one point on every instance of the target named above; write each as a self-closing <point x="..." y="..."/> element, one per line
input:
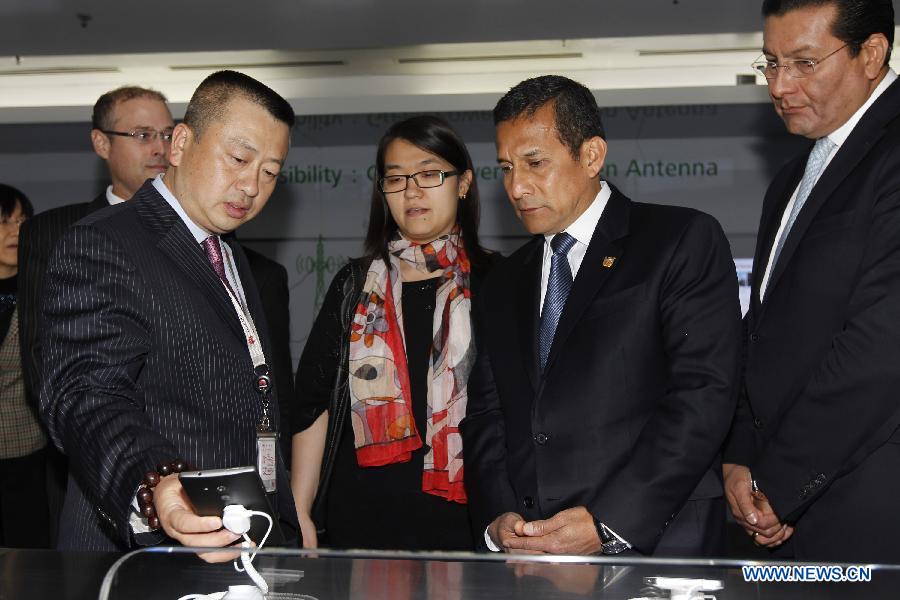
<point x="384" y="430"/>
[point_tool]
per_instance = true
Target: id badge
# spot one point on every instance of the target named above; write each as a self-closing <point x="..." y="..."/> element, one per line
<point x="265" y="458"/>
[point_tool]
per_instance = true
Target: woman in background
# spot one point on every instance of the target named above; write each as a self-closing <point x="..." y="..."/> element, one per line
<point x="381" y="385"/>
<point x="24" y="516"/>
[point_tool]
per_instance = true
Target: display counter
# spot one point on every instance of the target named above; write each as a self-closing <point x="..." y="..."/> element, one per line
<point x="173" y="573"/>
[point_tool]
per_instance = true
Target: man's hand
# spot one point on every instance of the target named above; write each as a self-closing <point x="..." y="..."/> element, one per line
<point x="570" y="531"/>
<point x="754" y="514"/>
<point x="180" y="522"/>
<point x="503" y="529"/>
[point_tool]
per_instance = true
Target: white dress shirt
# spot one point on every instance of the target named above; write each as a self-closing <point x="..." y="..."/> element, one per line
<point x="112" y="198"/>
<point x="582" y="230"/>
<point x="838" y="137"/>
<point x="200" y="235"/>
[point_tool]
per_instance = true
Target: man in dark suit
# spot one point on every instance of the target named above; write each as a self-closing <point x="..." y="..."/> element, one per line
<point x="152" y="328"/>
<point x="131" y="160"/>
<point x="607" y="352"/>
<point x="814" y="452"/>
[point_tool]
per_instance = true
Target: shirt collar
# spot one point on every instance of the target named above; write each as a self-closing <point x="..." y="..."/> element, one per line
<point x="583" y="227"/>
<point x="840" y="135"/>
<point x="198" y="232"/>
<point x="112" y="198"/>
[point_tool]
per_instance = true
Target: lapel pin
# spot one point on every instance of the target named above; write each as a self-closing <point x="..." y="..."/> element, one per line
<point x="609" y="261"/>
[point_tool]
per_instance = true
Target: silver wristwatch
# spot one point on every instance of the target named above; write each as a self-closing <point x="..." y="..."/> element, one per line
<point x="609" y="543"/>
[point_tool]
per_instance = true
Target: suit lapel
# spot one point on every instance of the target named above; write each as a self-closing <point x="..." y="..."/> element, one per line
<point x="177" y="243"/>
<point x="593" y="273"/>
<point x="528" y="297"/>
<point x="773" y="209"/>
<point x="866" y="133"/>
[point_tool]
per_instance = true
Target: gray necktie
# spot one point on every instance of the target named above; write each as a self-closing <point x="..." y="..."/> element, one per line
<point x="814" y="165"/>
<point x="559" y="283"/>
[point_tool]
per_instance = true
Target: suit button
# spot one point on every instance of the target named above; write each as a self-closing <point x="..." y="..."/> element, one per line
<point x="528" y="501"/>
<point x="757" y="422"/>
<point x="541" y="439"/>
<point x="754" y="337"/>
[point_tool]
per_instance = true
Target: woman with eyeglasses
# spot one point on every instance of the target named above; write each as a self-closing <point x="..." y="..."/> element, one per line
<point x="24" y="515"/>
<point x="377" y="458"/>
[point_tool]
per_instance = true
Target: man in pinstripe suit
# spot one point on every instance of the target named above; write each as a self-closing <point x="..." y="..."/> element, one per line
<point x="146" y="357"/>
<point x="131" y="160"/>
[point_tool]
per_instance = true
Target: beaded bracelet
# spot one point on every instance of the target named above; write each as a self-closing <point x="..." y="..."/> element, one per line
<point x="145" y="490"/>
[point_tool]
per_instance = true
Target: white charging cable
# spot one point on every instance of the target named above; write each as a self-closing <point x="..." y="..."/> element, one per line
<point x="236" y="519"/>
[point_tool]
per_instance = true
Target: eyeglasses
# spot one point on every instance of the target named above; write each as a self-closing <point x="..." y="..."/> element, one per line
<point x="144" y="136"/>
<point x="424" y="179"/>
<point x="797" y="69"/>
<point x="17" y="222"/>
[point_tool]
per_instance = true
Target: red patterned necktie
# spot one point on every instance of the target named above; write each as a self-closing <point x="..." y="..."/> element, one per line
<point x="214" y="254"/>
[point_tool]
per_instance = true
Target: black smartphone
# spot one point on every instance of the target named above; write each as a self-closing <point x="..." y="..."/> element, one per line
<point x="210" y="491"/>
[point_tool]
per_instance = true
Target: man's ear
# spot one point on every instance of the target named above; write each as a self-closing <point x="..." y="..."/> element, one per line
<point x="593" y="154"/>
<point x="874" y="50"/>
<point x="182" y="136"/>
<point x="100" y="142"/>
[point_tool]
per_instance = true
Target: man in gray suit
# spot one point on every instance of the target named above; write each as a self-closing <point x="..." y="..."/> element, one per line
<point x="153" y="329"/>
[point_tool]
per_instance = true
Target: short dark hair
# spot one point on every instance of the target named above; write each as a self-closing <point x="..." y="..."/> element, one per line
<point x="102" y="116"/>
<point x="8" y="198"/>
<point x="434" y="135"/>
<point x="577" y="115"/>
<point x="856" y="20"/>
<point x="212" y="95"/>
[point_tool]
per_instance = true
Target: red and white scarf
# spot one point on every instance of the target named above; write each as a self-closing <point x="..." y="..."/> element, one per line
<point x="384" y="429"/>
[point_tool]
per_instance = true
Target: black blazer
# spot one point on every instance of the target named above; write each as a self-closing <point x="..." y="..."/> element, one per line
<point x="36" y="240"/>
<point x="144" y="362"/>
<point x="638" y="392"/>
<point x="822" y="365"/>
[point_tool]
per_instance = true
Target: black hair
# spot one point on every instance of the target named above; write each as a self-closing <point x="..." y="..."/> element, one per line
<point x="8" y="198"/>
<point x="856" y="20"/>
<point x="577" y="115"/>
<point x="211" y="97"/>
<point x="434" y="135"/>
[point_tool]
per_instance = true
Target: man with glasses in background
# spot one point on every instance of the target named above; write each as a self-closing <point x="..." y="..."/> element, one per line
<point x="813" y="456"/>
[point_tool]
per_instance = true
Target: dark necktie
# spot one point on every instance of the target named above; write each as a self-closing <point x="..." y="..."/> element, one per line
<point x="558" y="285"/>
<point x="214" y="254"/>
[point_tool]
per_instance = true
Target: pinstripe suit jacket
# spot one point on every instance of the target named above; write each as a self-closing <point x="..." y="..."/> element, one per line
<point x="144" y="362"/>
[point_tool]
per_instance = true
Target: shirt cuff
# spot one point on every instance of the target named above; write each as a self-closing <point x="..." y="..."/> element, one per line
<point x="138" y="522"/>
<point x="489" y="542"/>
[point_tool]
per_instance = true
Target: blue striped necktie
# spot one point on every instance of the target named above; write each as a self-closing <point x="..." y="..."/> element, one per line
<point x="558" y="285"/>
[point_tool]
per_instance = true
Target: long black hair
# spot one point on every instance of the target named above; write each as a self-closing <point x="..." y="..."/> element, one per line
<point x="433" y="135"/>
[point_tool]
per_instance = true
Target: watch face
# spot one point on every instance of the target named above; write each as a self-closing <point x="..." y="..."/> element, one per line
<point x="613" y="547"/>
